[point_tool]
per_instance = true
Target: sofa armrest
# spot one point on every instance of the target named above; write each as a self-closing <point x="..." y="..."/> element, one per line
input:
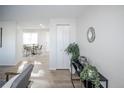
<point x="10" y="73"/>
<point x="9" y="83"/>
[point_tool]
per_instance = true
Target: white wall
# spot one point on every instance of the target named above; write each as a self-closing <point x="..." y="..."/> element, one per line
<point x="19" y="44"/>
<point x="53" y="38"/>
<point x="8" y="50"/>
<point x="107" y="51"/>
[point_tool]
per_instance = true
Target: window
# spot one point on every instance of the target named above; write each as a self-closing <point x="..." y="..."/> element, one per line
<point x="30" y="38"/>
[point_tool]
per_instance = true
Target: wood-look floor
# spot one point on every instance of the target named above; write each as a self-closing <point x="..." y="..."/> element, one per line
<point x="41" y="76"/>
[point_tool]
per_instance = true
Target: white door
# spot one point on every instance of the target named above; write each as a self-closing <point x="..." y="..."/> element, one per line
<point x="63" y="31"/>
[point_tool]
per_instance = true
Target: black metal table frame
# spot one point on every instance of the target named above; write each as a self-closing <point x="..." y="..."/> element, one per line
<point x="102" y="78"/>
<point x="73" y="79"/>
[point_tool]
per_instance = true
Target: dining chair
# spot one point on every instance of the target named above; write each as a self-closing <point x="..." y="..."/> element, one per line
<point x="39" y="49"/>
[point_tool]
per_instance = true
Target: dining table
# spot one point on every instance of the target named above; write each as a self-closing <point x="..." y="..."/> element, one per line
<point x="31" y="48"/>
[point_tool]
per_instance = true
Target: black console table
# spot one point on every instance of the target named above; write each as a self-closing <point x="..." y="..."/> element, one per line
<point x="78" y="68"/>
<point x="77" y="72"/>
<point x="103" y="79"/>
<point x="88" y="84"/>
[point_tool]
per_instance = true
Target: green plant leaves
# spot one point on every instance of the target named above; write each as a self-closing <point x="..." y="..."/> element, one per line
<point x="73" y="49"/>
<point x="90" y="73"/>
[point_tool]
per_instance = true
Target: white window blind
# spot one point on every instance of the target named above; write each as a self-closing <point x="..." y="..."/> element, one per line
<point x="30" y="38"/>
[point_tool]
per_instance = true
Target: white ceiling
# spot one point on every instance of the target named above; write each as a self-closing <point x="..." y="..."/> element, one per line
<point x="37" y="14"/>
<point x="25" y="12"/>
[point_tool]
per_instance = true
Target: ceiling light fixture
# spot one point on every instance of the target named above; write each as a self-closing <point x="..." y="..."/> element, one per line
<point x="42" y="26"/>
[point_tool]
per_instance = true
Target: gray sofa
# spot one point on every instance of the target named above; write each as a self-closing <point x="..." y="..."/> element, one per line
<point x="21" y="80"/>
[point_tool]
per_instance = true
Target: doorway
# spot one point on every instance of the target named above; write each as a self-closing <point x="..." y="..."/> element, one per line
<point x="35" y="42"/>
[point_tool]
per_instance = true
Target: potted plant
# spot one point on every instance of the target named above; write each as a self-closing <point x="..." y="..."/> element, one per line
<point x="73" y="49"/>
<point x="90" y="73"/>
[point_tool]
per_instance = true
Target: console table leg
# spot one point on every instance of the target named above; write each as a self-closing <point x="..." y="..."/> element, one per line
<point x="7" y="77"/>
<point x="106" y="84"/>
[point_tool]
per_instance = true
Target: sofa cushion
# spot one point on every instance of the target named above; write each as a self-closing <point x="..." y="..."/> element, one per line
<point x="2" y="82"/>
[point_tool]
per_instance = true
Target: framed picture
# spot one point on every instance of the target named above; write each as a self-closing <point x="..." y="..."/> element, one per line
<point x="0" y="37"/>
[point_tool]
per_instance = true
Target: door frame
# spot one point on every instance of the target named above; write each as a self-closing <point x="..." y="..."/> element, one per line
<point x="52" y="28"/>
<point x="66" y="66"/>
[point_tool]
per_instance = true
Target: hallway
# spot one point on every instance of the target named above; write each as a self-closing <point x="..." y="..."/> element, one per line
<point x="42" y="77"/>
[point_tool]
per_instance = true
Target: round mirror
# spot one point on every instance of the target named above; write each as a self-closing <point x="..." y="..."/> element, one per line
<point x="91" y="34"/>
